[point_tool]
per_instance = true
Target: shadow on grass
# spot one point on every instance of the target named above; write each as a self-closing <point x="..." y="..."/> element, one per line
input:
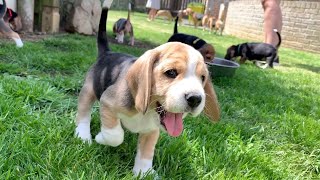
<point x="308" y="67"/>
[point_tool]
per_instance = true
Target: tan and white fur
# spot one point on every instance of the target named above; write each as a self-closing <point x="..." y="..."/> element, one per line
<point x="5" y="28"/>
<point x="219" y="24"/>
<point x="208" y="20"/>
<point x="122" y="27"/>
<point x="145" y="94"/>
<point x="164" y="13"/>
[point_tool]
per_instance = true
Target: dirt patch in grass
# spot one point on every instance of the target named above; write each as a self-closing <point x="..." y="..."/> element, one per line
<point x="35" y="37"/>
<point x="137" y="43"/>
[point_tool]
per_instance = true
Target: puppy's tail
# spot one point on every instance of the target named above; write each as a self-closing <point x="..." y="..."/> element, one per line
<point x="102" y="40"/>
<point x="175" y="30"/>
<point x="129" y="11"/>
<point x="3" y="10"/>
<point x="279" y="37"/>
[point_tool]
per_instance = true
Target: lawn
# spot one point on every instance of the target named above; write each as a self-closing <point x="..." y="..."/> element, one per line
<point x="269" y="127"/>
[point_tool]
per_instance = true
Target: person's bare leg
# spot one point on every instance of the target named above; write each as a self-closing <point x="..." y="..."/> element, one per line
<point x="272" y="20"/>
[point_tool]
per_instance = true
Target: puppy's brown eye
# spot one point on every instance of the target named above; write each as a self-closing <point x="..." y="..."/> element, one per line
<point x="172" y="73"/>
<point x="203" y="78"/>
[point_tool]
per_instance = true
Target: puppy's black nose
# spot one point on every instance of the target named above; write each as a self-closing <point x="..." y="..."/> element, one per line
<point x="193" y="99"/>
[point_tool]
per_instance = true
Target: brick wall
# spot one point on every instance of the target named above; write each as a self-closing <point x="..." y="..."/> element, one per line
<point x="301" y="22"/>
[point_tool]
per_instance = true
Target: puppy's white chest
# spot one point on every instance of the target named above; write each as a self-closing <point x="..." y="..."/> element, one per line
<point x="140" y="123"/>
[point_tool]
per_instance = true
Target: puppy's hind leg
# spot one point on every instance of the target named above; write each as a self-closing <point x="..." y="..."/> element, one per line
<point x="83" y="119"/>
<point x="5" y="29"/>
<point x="270" y="60"/>
<point x="131" y="37"/>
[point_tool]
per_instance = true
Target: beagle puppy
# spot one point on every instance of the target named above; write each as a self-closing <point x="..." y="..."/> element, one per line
<point x="164" y="13"/>
<point x="208" y="20"/>
<point x="207" y="50"/>
<point x="122" y="27"/>
<point x="219" y="26"/>
<point x="4" y="26"/>
<point x="13" y="19"/>
<point x="181" y="14"/>
<point x="196" y="17"/>
<point x="145" y="94"/>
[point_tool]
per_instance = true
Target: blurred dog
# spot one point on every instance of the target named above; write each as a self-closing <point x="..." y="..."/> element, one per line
<point x="165" y="13"/>
<point x="122" y="27"/>
<point x="219" y="26"/>
<point x="181" y="14"/>
<point x="208" y="21"/>
<point x="5" y="28"/>
<point x="255" y="51"/>
<point x="196" y="17"/>
<point x="13" y="19"/>
<point x="207" y="50"/>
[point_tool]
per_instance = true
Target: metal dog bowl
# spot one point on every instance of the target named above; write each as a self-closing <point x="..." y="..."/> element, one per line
<point x="222" y="68"/>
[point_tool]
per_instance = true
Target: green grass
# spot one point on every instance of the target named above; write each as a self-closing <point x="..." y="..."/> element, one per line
<point x="269" y="127"/>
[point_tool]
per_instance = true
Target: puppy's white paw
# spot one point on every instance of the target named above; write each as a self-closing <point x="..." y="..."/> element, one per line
<point x="143" y="167"/>
<point x="18" y="42"/>
<point x="83" y="132"/>
<point x="142" y="173"/>
<point x="112" y="137"/>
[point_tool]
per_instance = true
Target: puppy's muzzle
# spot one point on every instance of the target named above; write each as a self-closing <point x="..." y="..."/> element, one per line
<point x="193" y="100"/>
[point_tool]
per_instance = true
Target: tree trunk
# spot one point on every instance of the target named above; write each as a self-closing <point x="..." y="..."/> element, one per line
<point x="26" y="12"/>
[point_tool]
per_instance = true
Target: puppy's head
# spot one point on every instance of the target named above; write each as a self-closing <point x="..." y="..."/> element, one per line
<point x="208" y="52"/>
<point x="188" y="11"/>
<point x="231" y="52"/>
<point x="16" y="24"/>
<point x="120" y="36"/>
<point x="121" y="27"/>
<point x="173" y="80"/>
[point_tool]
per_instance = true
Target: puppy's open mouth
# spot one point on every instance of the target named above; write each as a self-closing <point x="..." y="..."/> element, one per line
<point x="172" y="122"/>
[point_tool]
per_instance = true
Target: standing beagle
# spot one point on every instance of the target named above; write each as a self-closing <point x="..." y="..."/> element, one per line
<point x="145" y="94"/>
<point x="122" y="27"/>
<point x="4" y="26"/>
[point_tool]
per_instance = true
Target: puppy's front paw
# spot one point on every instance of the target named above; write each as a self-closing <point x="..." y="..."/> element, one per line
<point x="18" y="42"/>
<point x="112" y="137"/>
<point x="143" y="167"/>
<point x="83" y="132"/>
<point x="142" y="173"/>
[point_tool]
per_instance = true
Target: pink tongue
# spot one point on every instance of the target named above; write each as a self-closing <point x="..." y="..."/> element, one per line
<point x="173" y="123"/>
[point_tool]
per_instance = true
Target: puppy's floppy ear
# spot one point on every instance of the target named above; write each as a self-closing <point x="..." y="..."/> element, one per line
<point x="212" y="106"/>
<point x="17" y="23"/>
<point x="230" y="52"/>
<point x="207" y="51"/>
<point x="139" y="79"/>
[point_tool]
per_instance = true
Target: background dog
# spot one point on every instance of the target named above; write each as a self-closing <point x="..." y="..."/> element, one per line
<point x="255" y="51"/>
<point x="196" y="17"/>
<point x="4" y="26"/>
<point x="181" y="14"/>
<point x="164" y="13"/>
<point x="207" y="50"/>
<point x="219" y="26"/>
<point x="122" y="27"/>
<point x="208" y="21"/>
<point x="13" y="19"/>
<point x="146" y="94"/>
